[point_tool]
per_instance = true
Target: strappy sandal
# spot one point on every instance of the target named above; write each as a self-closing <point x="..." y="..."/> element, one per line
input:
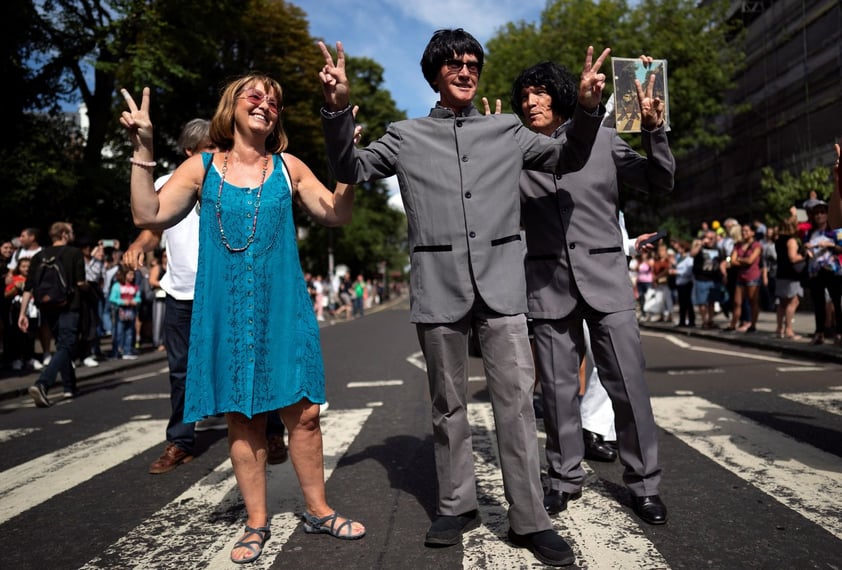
<point x="327" y="525"/>
<point x="254" y="546"/>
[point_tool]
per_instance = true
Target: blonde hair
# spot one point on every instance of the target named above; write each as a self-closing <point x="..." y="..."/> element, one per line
<point x="222" y="124"/>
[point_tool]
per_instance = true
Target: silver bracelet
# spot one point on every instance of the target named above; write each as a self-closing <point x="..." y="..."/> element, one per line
<point x="149" y="163"/>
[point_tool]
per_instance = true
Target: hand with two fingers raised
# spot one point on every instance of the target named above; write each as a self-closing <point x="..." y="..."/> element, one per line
<point x="592" y="82"/>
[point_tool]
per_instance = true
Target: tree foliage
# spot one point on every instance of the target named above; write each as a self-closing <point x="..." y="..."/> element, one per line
<point x="693" y="39"/>
<point x="783" y="192"/>
<point x="64" y="51"/>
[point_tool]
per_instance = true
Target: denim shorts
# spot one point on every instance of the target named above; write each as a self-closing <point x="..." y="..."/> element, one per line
<point x="705" y="292"/>
<point x="752" y="283"/>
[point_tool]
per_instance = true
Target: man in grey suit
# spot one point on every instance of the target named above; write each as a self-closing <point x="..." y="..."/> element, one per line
<point x="458" y="173"/>
<point x="576" y="271"/>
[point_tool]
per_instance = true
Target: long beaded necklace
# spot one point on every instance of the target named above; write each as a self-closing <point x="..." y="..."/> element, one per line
<point x="250" y="239"/>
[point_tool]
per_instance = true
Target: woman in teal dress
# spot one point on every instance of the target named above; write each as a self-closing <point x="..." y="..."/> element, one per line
<point x="254" y="345"/>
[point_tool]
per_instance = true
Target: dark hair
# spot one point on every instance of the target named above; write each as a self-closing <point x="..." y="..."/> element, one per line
<point x="561" y="85"/>
<point x="34" y="232"/>
<point x="444" y="45"/>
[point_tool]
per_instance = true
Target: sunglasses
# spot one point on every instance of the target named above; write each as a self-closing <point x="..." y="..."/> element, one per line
<point x="455" y="66"/>
<point x="256" y="98"/>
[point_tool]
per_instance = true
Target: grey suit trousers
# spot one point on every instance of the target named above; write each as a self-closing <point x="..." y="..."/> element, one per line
<point x="510" y="377"/>
<point x="615" y="342"/>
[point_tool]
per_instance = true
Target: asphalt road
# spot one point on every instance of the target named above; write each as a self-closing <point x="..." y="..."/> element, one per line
<point x="750" y="446"/>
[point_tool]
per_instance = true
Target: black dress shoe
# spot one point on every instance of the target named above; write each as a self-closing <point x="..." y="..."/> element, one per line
<point x="556" y="501"/>
<point x="595" y="448"/>
<point x="547" y="546"/>
<point x="447" y="530"/>
<point x="650" y="509"/>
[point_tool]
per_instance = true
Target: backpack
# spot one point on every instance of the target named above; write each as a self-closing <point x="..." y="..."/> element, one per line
<point x="51" y="289"/>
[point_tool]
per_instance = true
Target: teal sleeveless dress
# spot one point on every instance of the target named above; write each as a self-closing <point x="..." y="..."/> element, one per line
<point x="254" y="339"/>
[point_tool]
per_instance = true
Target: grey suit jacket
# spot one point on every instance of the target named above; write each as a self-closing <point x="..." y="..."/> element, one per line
<point x="458" y="177"/>
<point x="574" y="246"/>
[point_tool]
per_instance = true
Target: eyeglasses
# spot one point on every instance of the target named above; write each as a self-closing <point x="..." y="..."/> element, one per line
<point x="256" y="98"/>
<point x="456" y="65"/>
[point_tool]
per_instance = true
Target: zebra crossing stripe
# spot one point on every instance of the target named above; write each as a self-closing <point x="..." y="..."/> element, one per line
<point x="30" y="484"/>
<point x="202" y="524"/>
<point x="802" y="477"/>
<point x="830" y="402"/>
<point x="10" y="434"/>
<point x="612" y="539"/>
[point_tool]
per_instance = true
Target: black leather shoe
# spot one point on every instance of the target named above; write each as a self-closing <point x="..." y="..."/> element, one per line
<point x="650" y="509"/>
<point x="595" y="448"/>
<point x="547" y="546"/>
<point x="556" y="501"/>
<point x="447" y="530"/>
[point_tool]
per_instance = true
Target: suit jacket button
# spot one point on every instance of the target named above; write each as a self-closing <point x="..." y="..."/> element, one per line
<point x="467" y="195"/>
<point x="464" y="159"/>
<point x="472" y="234"/>
<point x="558" y="176"/>
<point x="458" y="123"/>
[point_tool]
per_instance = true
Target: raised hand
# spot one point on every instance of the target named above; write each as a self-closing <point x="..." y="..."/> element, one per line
<point x="651" y="108"/>
<point x="335" y="85"/>
<point x="498" y="106"/>
<point x="592" y="83"/>
<point x="136" y="120"/>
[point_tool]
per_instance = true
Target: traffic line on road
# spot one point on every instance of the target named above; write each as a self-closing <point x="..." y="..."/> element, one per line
<point x="828" y="401"/>
<point x="685" y="345"/>
<point x="143" y="397"/>
<point x="10" y="434"/>
<point x="692" y="372"/>
<point x="613" y="540"/>
<point x="34" y="482"/>
<point x="800" y="368"/>
<point x="417" y="360"/>
<point x="798" y="475"/>
<point x="374" y="384"/>
<point x="202" y="524"/>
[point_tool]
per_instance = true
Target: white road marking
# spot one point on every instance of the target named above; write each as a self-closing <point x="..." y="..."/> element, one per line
<point x="30" y="484"/>
<point x="142" y="397"/>
<point x="684" y="392"/>
<point x="680" y="343"/>
<point x="374" y="404"/>
<point x="692" y="372"/>
<point x="202" y="524"/>
<point x="375" y="383"/>
<point x="140" y="377"/>
<point x="476" y="378"/>
<point x="828" y="401"/>
<point x="800" y="368"/>
<point x="803" y="478"/>
<point x="417" y="360"/>
<point x="10" y="434"/>
<point x="613" y="540"/>
<point x="761" y="389"/>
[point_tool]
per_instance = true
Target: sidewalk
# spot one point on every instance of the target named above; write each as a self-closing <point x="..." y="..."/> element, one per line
<point x="764" y="338"/>
<point x="14" y="384"/>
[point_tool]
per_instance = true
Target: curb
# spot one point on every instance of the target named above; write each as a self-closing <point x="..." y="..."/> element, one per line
<point x="761" y="340"/>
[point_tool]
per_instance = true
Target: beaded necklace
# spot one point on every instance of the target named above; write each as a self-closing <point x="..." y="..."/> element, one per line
<point x="250" y="239"/>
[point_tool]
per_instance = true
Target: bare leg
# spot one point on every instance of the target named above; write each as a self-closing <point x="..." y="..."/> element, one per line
<point x="247" y="447"/>
<point x="791" y="307"/>
<point x="305" y="450"/>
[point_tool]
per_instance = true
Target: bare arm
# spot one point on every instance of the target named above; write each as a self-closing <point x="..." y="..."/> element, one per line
<point x="326" y="207"/>
<point x="147" y="241"/>
<point x="150" y="209"/>
<point x="834" y="212"/>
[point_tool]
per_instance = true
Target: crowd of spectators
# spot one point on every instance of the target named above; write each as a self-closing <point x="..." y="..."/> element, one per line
<point x="127" y="306"/>
<point x="735" y="270"/>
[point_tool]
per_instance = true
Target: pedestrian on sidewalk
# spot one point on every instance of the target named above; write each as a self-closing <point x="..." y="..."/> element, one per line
<point x="61" y="313"/>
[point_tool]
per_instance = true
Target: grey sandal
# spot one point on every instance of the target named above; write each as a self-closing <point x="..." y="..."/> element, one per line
<point x="255" y="546"/>
<point x="327" y="525"/>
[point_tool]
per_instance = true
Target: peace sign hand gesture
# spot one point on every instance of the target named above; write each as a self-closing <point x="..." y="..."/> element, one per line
<point x="136" y="121"/>
<point x="651" y="108"/>
<point x="592" y="83"/>
<point x="335" y="84"/>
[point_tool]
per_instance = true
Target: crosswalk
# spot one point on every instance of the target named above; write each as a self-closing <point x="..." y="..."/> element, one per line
<point x="602" y="532"/>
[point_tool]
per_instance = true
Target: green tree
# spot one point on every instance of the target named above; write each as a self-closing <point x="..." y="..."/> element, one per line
<point x="693" y="39"/>
<point x="782" y="192"/>
<point x="85" y="50"/>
